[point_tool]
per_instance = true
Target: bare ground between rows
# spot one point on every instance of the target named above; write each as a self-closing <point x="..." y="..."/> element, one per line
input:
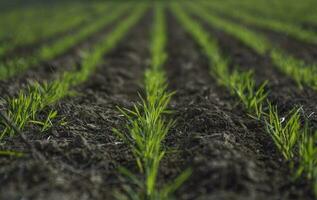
<point x="48" y="70"/>
<point x="230" y="154"/>
<point x="309" y="26"/>
<point x="81" y="158"/>
<point x="283" y="91"/>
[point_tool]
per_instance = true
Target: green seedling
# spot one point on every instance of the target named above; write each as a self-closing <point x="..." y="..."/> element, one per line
<point x="243" y="86"/>
<point x="48" y="122"/>
<point x="285" y="131"/>
<point x="11" y="153"/>
<point x="24" y="108"/>
<point x="307" y="153"/>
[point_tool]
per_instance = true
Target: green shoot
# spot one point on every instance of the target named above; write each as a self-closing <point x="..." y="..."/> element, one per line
<point x="307" y="153"/>
<point x="48" y="122"/>
<point x="11" y="153"/>
<point x="24" y="108"/>
<point x="243" y="85"/>
<point x="301" y="73"/>
<point x="284" y="131"/>
<point x="307" y="150"/>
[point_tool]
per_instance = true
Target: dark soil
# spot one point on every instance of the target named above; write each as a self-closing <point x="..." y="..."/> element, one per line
<point x="80" y="159"/>
<point x="309" y="26"/>
<point x="231" y="156"/>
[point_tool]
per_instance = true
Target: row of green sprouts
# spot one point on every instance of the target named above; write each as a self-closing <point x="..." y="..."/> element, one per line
<point x="52" y="50"/>
<point x="293" y="137"/>
<point x="148" y="125"/>
<point x="31" y="25"/>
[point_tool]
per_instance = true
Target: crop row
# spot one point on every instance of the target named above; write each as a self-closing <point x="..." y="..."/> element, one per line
<point x="50" y="51"/>
<point x="148" y="126"/>
<point x="297" y="69"/>
<point x="289" y="11"/>
<point x="24" y="109"/>
<point x="271" y="24"/>
<point x="287" y="134"/>
<point x="25" y="29"/>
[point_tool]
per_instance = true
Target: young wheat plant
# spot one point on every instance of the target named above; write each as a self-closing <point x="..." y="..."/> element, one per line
<point x="284" y="131"/>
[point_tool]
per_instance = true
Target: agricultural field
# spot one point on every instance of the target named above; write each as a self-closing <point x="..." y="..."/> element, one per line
<point x="158" y="100"/>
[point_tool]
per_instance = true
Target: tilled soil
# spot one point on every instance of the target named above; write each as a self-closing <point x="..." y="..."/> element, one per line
<point x="79" y="160"/>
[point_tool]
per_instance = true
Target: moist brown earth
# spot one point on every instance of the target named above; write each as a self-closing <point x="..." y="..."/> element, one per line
<point x="230" y="154"/>
<point x="80" y="159"/>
